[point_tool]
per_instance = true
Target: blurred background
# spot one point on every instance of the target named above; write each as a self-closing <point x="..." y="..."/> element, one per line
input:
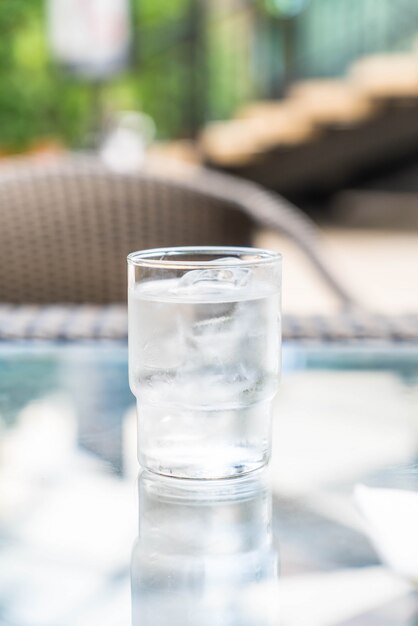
<point x="289" y="124"/>
<point x="314" y="99"/>
<point x="183" y="63"/>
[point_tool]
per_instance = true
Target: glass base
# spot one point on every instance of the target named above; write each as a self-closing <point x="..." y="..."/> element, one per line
<point x="203" y="464"/>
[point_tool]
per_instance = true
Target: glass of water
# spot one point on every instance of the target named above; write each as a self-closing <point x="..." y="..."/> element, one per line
<point x="204" y="356"/>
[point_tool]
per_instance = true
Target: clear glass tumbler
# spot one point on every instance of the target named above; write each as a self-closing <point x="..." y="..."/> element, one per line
<point x="204" y="357"/>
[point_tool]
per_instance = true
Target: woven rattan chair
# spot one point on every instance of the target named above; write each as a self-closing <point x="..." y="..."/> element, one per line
<point x="67" y="226"/>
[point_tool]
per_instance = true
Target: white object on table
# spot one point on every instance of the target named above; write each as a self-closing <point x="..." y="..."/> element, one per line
<point x="391" y="516"/>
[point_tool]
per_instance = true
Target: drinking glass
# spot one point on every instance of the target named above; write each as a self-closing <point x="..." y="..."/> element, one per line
<point x="204" y="356"/>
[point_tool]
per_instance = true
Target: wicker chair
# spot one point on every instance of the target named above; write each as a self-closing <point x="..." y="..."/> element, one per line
<point x="67" y="226"/>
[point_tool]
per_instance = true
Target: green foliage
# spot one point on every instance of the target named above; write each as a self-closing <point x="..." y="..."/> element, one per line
<point x="181" y="70"/>
<point x="191" y="59"/>
<point x="154" y="12"/>
<point x="40" y="101"/>
<point x="285" y="8"/>
<point x="35" y="102"/>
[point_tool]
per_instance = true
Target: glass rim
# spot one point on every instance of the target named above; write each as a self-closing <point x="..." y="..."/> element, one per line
<point x="149" y="257"/>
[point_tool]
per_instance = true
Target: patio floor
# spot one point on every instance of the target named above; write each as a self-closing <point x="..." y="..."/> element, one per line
<point x="379" y="267"/>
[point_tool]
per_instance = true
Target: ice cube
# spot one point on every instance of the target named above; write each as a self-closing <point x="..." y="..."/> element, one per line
<point x="165" y="351"/>
<point x="214" y="338"/>
<point x="210" y="279"/>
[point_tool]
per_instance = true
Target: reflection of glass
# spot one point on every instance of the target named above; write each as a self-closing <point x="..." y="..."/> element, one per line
<point x="204" y="555"/>
<point x="204" y="357"/>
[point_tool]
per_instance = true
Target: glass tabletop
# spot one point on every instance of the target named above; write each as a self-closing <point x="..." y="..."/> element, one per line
<point x="325" y="537"/>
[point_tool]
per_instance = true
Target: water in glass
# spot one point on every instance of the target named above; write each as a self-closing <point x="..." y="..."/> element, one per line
<point x="204" y="360"/>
